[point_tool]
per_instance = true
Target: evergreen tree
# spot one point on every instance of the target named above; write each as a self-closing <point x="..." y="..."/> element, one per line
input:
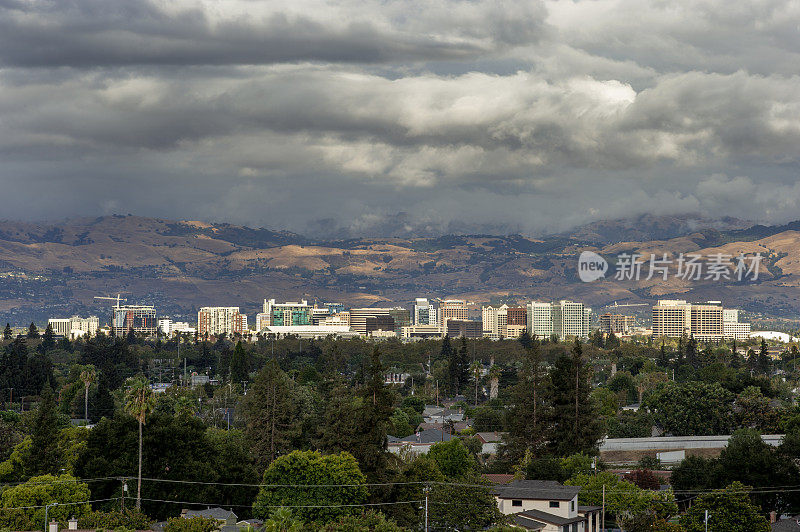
<point x="379" y="407"/>
<point x="663" y="356"/>
<point x="525" y="340"/>
<point x="33" y="332"/>
<point x="48" y="340"/>
<point x="130" y="339"/>
<point x="7" y="332"/>
<point x="44" y="454"/>
<point x="240" y="368"/>
<point x="691" y="352"/>
<point x="612" y="341"/>
<point x="577" y="428"/>
<point x="270" y="413"/>
<point x="762" y="363"/>
<point x="458" y="368"/>
<point x="528" y="419"/>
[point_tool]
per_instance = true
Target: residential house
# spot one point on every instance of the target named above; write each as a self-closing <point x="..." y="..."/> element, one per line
<point x="489" y="441"/>
<point x="420" y="442"/>
<point x="547" y="506"/>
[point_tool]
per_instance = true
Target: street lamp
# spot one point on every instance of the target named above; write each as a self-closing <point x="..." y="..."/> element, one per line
<point x="46" y="511"/>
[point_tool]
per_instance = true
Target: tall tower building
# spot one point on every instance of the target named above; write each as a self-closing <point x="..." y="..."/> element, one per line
<point x="424" y="312"/>
<point x="452" y="308"/>
<point x="219" y="320"/>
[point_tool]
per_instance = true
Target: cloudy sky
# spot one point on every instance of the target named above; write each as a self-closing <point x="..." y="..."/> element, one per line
<point x="370" y="116"/>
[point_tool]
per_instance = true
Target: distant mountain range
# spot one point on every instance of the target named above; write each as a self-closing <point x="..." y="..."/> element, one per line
<point x="55" y="269"/>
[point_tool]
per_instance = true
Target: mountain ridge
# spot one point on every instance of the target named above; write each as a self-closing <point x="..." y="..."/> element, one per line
<point x="56" y="268"/>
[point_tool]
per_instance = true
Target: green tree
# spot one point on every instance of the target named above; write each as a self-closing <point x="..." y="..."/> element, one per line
<point x="458" y="366"/>
<point x="22" y="506"/>
<point x="467" y="506"/>
<point x="271" y="414"/>
<point x="282" y="520"/>
<point x="33" y="332"/>
<point x="624" y="500"/>
<point x="369" y="521"/>
<point x="475" y="371"/>
<point x="529" y="417"/>
<point x="44" y="455"/>
<point x="763" y="361"/>
<point x="193" y="524"/>
<point x="115" y="519"/>
<point x="452" y="458"/>
<point x="139" y="402"/>
<point x="323" y="487"/>
<point x="8" y="334"/>
<point x="577" y="426"/>
<point x="691" y="408"/>
<point x="729" y="509"/>
<point x="48" y="339"/>
<point x="240" y="367"/>
<point x="88" y="376"/>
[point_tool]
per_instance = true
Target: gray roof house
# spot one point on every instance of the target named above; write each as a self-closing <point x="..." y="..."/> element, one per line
<point x="546" y="506"/>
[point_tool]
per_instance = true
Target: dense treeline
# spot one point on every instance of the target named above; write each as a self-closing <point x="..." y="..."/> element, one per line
<point x="256" y="404"/>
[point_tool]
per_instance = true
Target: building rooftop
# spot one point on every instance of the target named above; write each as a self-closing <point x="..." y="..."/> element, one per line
<point x="536" y="489"/>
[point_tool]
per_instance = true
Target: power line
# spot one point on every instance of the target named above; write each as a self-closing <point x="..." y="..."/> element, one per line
<point x="59" y="504"/>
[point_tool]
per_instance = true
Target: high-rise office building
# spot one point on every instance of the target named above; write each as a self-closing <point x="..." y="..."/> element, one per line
<point x="283" y="314"/>
<point x="732" y="328"/>
<point x="464" y="328"/>
<point x="540" y="319"/>
<point x="452" y="308"/>
<point x="676" y="317"/>
<point x="220" y="320"/>
<point x="616" y="323"/>
<point x="562" y="318"/>
<point x="424" y="312"/>
<point x="358" y="317"/>
<point x="140" y="318"/>
<point x="74" y="326"/>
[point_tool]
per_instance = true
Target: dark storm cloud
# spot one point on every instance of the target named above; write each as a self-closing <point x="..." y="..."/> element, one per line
<point x="461" y="115"/>
<point x="88" y="33"/>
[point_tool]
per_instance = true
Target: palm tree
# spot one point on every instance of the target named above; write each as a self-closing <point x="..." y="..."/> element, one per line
<point x="88" y="376"/>
<point x="139" y="402"/>
<point x="475" y="368"/>
<point x="494" y="379"/>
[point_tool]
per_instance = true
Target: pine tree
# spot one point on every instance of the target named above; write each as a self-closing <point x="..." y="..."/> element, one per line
<point x="33" y="332"/>
<point x="691" y="352"/>
<point x="44" y="454"/>
<point x="525" y="340"/>
<point x="270" y="414"/>
<point x="529" y="417"/>
<point x="7" y="332"/>
<point x="663" y="357"/>
<point x="379" y="407"/>
<point x="762" y="363"/>
<point x="48" y="339"/>
<point x="240" y="367"/>
<point x="130" y="339"/>
<point x="577" y="427"/>
<point x="458" y="368"/>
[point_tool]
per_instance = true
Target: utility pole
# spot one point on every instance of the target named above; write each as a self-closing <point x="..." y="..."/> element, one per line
<point x="603" y="515"/>
<point x="706" y="520"/>
<point x="426" y="489"/>
<point x="46" y="509"/>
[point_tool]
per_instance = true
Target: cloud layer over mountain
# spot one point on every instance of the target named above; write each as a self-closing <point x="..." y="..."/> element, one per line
<point x="511" y="115"/>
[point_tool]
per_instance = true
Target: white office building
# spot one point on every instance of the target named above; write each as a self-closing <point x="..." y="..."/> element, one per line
<point x="732" y="328"/>
<point x="562" y="318"/>
<point x="75" y="326"/>
<point x="424" y="312"/>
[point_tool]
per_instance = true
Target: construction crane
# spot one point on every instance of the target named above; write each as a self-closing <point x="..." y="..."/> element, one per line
<point x="117" y="299"/>
<point x="615" y="305"/>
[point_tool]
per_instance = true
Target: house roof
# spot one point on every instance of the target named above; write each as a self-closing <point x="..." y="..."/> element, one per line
<point x="498" y="478"/>
<point x="527" y="522"/>
<point x="536" y="489"/>
<point x="489" y="437"/>
<point x="425" y="436"/>
<point x="544" y="517"/>
<point x="585" y="509"/>
<point x="213" y="513"/>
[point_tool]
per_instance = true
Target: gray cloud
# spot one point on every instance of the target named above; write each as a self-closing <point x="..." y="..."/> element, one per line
<point x="334" y="118"/>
